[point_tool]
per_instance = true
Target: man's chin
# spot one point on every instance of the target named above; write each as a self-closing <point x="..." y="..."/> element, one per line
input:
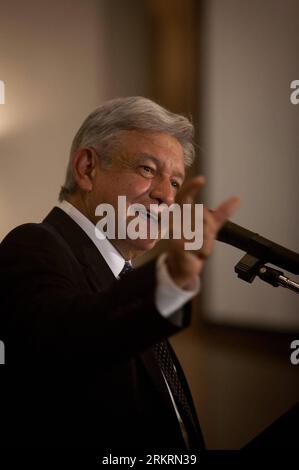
<point x="144" y="245"/>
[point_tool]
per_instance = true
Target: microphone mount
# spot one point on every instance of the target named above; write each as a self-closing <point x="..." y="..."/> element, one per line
<point x="249" y="267"/>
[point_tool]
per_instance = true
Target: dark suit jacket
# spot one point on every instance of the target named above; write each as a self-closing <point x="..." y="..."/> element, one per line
<point x="79" y="367"/>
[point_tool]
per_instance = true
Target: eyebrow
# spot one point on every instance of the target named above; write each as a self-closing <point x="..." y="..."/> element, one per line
<point x="148" y="156"/>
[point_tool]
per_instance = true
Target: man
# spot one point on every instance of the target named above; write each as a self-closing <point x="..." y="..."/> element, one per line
<point x="87" y="360"/>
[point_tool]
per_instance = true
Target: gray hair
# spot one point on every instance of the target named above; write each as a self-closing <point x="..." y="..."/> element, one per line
<point x="101" y="128"/>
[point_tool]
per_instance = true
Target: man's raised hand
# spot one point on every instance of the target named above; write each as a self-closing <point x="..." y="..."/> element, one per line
<point x="185" y="265"/>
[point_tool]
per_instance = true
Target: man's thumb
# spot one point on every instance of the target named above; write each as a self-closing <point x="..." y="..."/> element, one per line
<point x="225" y="210"/>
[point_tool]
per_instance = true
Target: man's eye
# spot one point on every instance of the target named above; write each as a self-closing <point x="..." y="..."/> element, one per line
<point x="147" y="169"/>
<point x="175" y="184"/>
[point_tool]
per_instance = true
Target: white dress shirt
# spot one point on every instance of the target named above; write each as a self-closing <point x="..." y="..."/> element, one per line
<point x="168" y="296"/>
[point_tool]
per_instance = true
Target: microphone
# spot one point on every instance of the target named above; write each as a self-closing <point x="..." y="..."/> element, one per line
<point x="259" y="247"/>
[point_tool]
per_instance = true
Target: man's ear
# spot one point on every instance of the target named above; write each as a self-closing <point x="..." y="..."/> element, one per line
<point x="84" y="168"/>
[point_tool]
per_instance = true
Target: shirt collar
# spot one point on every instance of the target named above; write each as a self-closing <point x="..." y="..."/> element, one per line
<point x="110" y="254"/>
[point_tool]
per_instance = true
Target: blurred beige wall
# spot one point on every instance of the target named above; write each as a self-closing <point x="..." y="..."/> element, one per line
<point x="250" y="147"/>
<point x="58" y="60"/>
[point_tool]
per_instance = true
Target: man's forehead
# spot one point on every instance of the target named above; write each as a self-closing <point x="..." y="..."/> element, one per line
<point x="150" y="138"/>
<point x="158" y="146"/>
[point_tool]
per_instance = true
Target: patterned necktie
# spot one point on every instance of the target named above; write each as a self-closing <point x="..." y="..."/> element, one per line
<point x="163" y="356"/>
<point x="127" y="268"/>
<point x="165" y="361"/>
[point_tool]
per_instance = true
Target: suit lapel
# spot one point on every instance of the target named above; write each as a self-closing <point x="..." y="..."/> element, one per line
<point x="97" y="271"/>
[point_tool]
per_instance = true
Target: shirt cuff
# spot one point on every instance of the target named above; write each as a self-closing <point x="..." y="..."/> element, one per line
<point x="169" y="298"/>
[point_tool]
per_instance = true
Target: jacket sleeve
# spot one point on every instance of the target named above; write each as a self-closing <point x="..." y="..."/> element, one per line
<point x="46" y="317"/>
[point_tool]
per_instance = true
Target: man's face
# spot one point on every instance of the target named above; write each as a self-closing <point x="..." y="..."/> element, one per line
<point x="147" y="168"/>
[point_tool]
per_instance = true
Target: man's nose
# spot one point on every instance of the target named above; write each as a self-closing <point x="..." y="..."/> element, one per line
<point x="162" y="191"/>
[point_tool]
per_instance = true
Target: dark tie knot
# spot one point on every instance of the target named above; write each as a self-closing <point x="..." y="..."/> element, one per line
<point x="126" y="269"/>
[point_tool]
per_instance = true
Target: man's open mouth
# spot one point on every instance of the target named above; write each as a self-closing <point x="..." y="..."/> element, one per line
<point x="149" y="215"/>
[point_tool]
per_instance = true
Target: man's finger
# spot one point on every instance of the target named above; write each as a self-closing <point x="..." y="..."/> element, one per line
<point x="189" y="189"/>
<point x="225" y="210"/>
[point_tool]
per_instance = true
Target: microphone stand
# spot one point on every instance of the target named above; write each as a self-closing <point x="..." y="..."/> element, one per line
<point x="249" y="267"/>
